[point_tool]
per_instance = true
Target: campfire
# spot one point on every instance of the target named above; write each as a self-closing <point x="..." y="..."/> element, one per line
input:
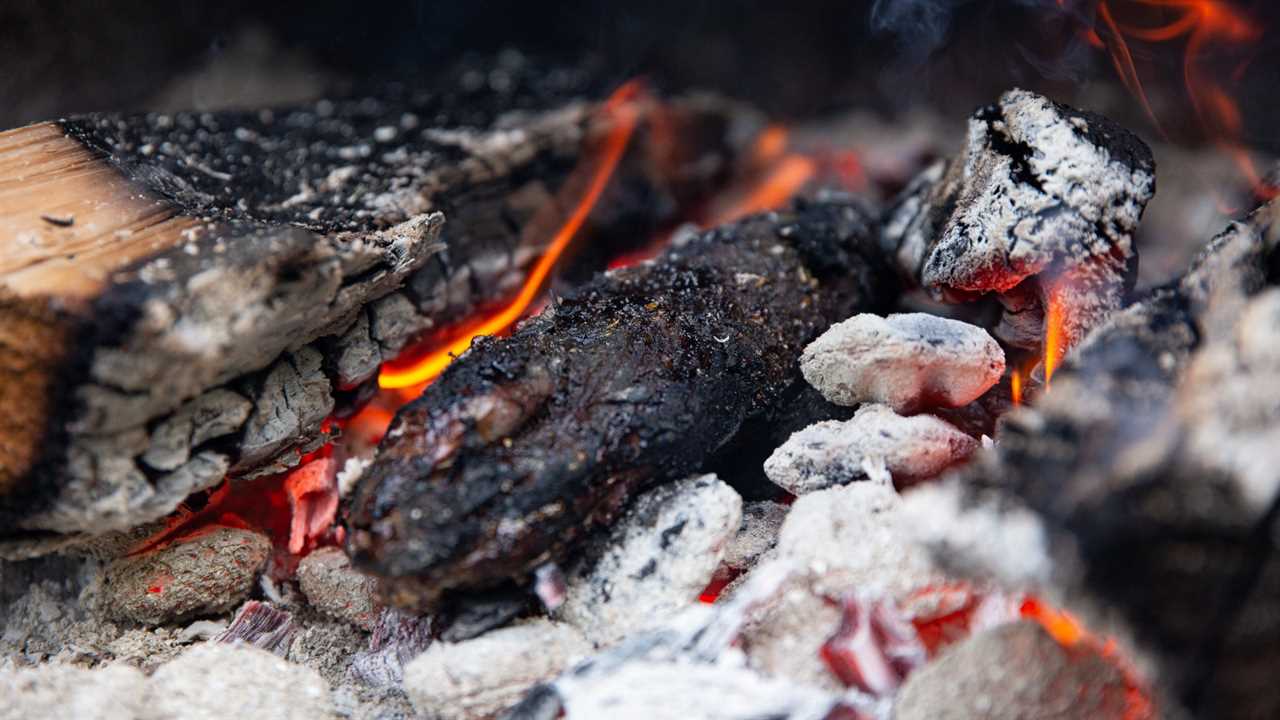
<point x="528" y="390"/>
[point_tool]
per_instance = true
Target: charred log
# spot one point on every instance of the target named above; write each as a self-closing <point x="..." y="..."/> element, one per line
<point x="224" y="282"/>
<point x="638" y="378"/>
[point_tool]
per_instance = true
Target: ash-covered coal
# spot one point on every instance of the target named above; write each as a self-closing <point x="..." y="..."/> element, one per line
<point x="836" y="453"/>
<point x="906" y="361"/>
<point x="1040" y="191"/>
<point x="655" y="560"/>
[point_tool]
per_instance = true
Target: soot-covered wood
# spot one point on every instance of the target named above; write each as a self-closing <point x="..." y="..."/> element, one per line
<point x="226" y="279"/>
<point x="526" y="443"/>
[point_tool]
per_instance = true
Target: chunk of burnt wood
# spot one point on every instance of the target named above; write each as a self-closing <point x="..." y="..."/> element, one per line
<point x="229" y="252"/>
<point x="1040" y="191"/>
<point x="637" y="378"/>
<point x="836" y="453"/>
<point x="1155" y="473"/>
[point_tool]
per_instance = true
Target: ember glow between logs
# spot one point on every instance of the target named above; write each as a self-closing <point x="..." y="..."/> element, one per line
<point x="621" y="113"/>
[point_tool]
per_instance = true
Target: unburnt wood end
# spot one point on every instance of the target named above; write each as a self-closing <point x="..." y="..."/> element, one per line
<point x="188" y="296"/>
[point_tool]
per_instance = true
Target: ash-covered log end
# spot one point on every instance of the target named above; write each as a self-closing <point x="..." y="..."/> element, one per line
<point x="526" y="443"/>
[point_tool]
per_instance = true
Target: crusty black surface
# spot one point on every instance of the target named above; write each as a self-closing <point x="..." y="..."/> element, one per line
<point x="526" y="443"/>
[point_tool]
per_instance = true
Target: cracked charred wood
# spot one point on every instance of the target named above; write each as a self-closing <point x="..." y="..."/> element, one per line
<point x="186" y="296"/>
<point x="1154" y="467"/>
<point x="1043" y="200"/>
<point x="526" y="443"/>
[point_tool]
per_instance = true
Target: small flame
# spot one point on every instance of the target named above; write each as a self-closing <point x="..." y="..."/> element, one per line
<point x="1055" y="320"/>
<point x="623" y="113"/>
<point x="787" y="173"/>
<point x="1015" y="385"/>
<point x="1205" y="25"/>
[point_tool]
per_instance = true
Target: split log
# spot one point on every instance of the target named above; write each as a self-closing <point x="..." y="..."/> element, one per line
<point x="1153" y="467"/>
<point x="527" y="443"/>
<point x="188" y="296"/>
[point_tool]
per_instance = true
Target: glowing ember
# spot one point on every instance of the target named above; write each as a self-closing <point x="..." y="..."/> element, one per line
<point x="1205" y="25"/>
<point x="295" y="509"/>
<point x="874" y="649"/>
<point x="313" y="502"/>
<point x="622" y="115"/>
<point x="879" y="644"/>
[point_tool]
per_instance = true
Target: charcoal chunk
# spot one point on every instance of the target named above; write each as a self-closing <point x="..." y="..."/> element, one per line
<point x="907" y="361"/>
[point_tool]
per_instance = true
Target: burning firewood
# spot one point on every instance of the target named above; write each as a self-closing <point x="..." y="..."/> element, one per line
<point x="189" y="296"/>
<point x="525" y="444"/>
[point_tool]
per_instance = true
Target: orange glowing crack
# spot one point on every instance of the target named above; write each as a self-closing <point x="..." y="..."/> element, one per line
<point x="621" y="109"/>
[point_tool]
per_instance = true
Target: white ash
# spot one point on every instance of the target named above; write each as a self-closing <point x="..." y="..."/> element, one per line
<point x="55" y="690"/>
<point x="835" y="452"/>
<point x="676" y="691"/>
<point x="210" y="573"/>
<point x="757" y="535"/>
<point x="907" y="361"/>
<point x="782" y="638"/>
<point x="338" y="590"/>
<point x="218" y="681"/>
<point x="656" y="559"/>
<point x="855" y="536"/>
<point x="1011" y="672"/>
<point x="976" y="536"/>
<point x="480" y="677"/>
<point x="350" y="473"/>
<point x="693" y="656"/>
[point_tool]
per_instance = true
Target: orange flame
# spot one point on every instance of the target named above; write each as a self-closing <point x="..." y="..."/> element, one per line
<point x="621" y="109"/>
<point x="1055" y="319"/>
<point x="785" y="179"/>
<point x="1015" y="386"/>
<point x="1204" y="24"/>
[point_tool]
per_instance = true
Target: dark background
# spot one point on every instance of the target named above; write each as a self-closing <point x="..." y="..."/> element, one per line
<point x="796" y="59"/>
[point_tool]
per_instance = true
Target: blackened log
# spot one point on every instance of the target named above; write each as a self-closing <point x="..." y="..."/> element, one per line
<point x="526" y="443"/>
<point x="1154" y="465"/>
<point x="215" y="281"/>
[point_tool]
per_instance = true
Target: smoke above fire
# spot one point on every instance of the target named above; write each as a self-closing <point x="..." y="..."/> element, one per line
<point x="1196" y="51"/>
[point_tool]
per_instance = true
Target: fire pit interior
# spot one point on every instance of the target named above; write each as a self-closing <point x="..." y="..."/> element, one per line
<point x="847" y="361"/>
